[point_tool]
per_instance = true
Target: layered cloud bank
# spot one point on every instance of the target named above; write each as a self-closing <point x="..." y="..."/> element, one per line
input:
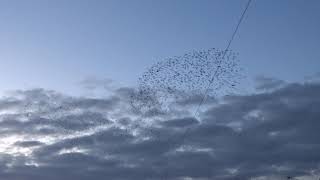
<point x="271" y="134"/>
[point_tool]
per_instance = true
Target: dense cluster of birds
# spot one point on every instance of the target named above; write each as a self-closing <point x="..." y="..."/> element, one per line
<point x="196" y="73"/>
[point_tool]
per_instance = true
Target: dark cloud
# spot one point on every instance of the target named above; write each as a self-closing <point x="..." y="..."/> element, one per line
<point x="47" y="135"/>
<point x="315" y="78"/>
<point x="181" y="122"/>
<point x="268" y="83"/>
<point x="195" y="99"/>
<point x="28" y="143"/>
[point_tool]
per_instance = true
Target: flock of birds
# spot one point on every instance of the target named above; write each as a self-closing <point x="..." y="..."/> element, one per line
<point x="201" y="72"/>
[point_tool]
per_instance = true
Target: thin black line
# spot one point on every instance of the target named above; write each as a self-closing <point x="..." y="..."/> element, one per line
<point x="238" y="25"/>
<point x="224" y="53"/>
<point x="215" y="73"/>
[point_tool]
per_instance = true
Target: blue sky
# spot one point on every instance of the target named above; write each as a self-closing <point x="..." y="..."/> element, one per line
<point x="55" y="44"/>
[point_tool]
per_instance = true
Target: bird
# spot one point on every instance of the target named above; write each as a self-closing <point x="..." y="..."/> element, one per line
<point x="194" y="71"/>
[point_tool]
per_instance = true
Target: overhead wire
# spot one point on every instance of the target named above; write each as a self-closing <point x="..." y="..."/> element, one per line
<point x="205" y="95"/>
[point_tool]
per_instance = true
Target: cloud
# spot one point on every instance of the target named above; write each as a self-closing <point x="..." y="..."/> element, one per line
<point x="49" y="135"/>
<point x="92" y="83"/>
<point x="27" y="143"/>
<point x="181" y="122"/>
<point x="268" y="83"/>
<point x="315" y="78"/>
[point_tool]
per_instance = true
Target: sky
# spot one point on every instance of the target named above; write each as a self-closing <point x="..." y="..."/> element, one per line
<point x="56" y="44"/>
<point x="72" y="108"/>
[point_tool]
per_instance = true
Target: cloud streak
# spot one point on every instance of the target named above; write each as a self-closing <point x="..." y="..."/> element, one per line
<point x="49" y="135"/>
